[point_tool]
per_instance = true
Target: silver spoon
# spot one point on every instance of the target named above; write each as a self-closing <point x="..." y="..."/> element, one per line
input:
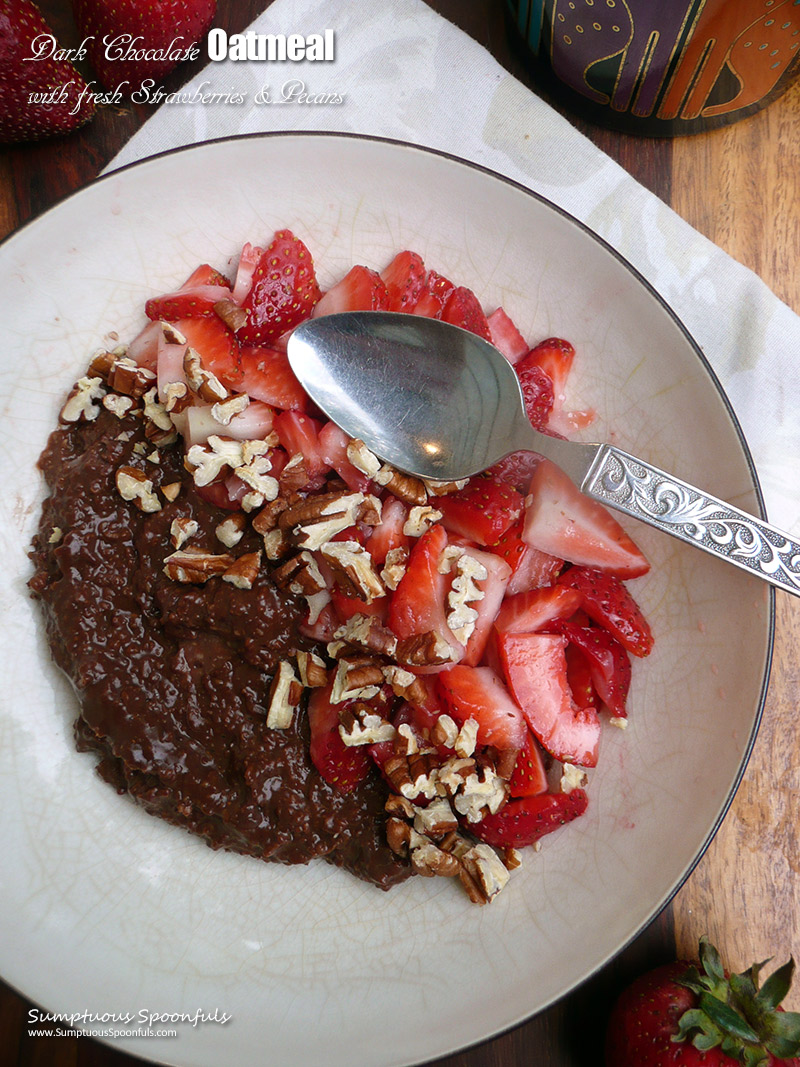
<point x="439" y="402"/>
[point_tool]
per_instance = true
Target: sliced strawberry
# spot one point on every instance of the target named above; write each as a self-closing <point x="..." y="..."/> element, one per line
<point x="333" y="442"/>
<point x="516" y="469"/>
<point x="493" y="588"/>
<point x="562" y="521"/>
<point x="347" y="606"/>
<point x="323" y="627"/>
<point x="404" y="279"/>
<point x="537" y="391"/>
<point x="204" y="287"/>
<point x="608" y="662"/>
<point x="530" y="568"/>
<point x="530" y="775"/>
<point x="536" y="670"/>
<point x="434" y="296"/>
<point x="249" y="259"/>
<point x="282" y="293"/>
<point x="482" y="511"/>
<point x="463" y="309"/>
<point x="555" y="357"/>
<point x="579" y="678"/>
<point x="342" y="766"/>
<point x="252" y="424"/>
<point x="389" y="534"/>
<point x="217" y="494"/>
<point x="419" y="604"/>
<point x="361" y="289"/>
<point x="523" y="821"/>
<point x="506" y="337"/>
<point x="607" y="601"/>
<point x="537" y="609"/>
<point x="298" y="433"/>
<point x="266" y="375"/>
<point x="216" y="345"/>
<point x="478" y="693"/>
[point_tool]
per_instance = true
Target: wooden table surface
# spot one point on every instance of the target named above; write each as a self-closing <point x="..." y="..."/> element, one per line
<point x="739" y="186"/>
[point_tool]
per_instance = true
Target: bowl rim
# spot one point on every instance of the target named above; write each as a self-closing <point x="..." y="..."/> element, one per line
<point x="344" y="136"/>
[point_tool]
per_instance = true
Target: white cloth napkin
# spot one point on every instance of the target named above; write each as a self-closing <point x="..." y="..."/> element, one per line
<point x="407" y="73"/>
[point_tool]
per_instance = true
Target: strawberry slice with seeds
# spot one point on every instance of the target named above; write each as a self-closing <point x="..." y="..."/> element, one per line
<point x="505" y="336"/>
<point x="482" y="511"/>
<point x="478" y="693"/>
<point x="562" y="521"/>
<point x="204" y="288"/>
<point x="342" y="766"/>
<point x="529" y="778"/>
<point x="530" y="568"/>
<point x="522" y="822"/>
<point x="606" y="600"/>
<point x="463" y="309"/>
<point x="333" y="442"/>
<point x="267" y="375"/>
<point x="404" y="279"/>
<point x="299" y="433"/>
<point x="216" y="345"/>
<point x="555" y="357"/>
<point x="389" y="533"/>
<point x="434" y="296"/>
<point x="537" y="609"/>
<point x="608" y="662"/>
<point x="419" y="604"/>
<point x="361" y="289"/>
<point x="535" y="667"/>
<point x="492" y="588"/>
<point x="537" y="391"/>
<point x="283" y="290"/>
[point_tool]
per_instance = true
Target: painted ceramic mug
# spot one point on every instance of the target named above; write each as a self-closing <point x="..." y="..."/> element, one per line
<point x="660" y="67"/>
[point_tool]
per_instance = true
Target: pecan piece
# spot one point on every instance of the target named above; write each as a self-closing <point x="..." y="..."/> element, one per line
<point x="201" y="381"/>
<point x="244" y="570"/>
<point x="284" y="695"/>
<point x="134" y="485"/>
<point x="126" y="376"/>
<point x="483" y="874"/>
<point x="353" y="570"/>
<point x="423" y="650"/>
<point x="194" y="567"/>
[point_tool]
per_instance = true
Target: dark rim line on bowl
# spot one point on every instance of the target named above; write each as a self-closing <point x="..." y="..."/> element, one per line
<point x="761" y="511"/>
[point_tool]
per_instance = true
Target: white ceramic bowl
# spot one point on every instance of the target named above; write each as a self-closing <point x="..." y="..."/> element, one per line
<point x="104" y="909"/>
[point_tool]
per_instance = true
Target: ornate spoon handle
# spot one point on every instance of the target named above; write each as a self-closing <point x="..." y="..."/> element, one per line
<point x="647" y="493"/>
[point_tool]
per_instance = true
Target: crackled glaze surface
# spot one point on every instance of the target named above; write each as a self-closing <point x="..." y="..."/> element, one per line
<point x="108" y="906"/>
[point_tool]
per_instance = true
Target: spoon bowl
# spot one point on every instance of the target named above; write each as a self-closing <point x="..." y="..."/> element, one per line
<point x="439" y="402"/>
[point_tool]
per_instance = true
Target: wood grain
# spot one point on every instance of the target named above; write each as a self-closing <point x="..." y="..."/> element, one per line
<point x="740" y="187"/>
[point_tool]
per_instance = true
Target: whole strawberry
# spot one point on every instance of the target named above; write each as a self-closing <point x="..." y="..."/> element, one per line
<point x="133" y="41"/>
<point x="40" y="95"/>
<point x="682" y="1015"/>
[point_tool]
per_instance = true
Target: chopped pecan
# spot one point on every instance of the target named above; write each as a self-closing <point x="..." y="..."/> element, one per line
<point x="356" y="679"/>
<point x="300" y="575"/>
<point x="224" y="410"/>
<point x="126" y="376"/>
<point x="171" y="490"/>
<point x="267" y="518"/>
<point x="232" y="314"/>
<point x="369" y="633"/>
<point x="431" y="861"/>
<point x="194" y="567"/>
<point x="101" y="364"/>
<point x="316" y="519"/>
<point x="423" y="650"/>
<point x="231" y="530"/>
<point x="80" y="405"/>
<point x="436" y="820"/>
<point x="481" y="792"/>
<point x="156" y="413"/>
<point x="285" y="692"/>
<point x="404" y="684"/>
<point x="465" y="742"/>
<point x="207" y="461"/>
<point x="420" y="519"/>
<point x="276" y="545"/>
<point x="413" y="774"/>
<point x="370" y="510"/>
<point x="436" y="488"/>
<point x="463" y="591"/>
<point x="353" y="570"/>
<point x="244" y="570"/>
<point x="405" y="487"/>
<point x="176" y="397"/>
<point x="117" y="405"/>
<point x="159" y="437"/>
<point x="201" y="381"/>
<point x="134" y="485"/>
<point x="312" y="670"/>
<point x="394" y="567"/>
<point x="401" y="837"/>
<point x="362" y="458"/>
<point x="483" y="874"/>
<point x="359" y="724"/>
<point x="181" y="530"/>
<point x="445" y="731"/>
<point x="294" y="475"/>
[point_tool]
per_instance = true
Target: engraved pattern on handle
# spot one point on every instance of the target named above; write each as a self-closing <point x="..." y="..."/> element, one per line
<point x="677" y="508"/>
